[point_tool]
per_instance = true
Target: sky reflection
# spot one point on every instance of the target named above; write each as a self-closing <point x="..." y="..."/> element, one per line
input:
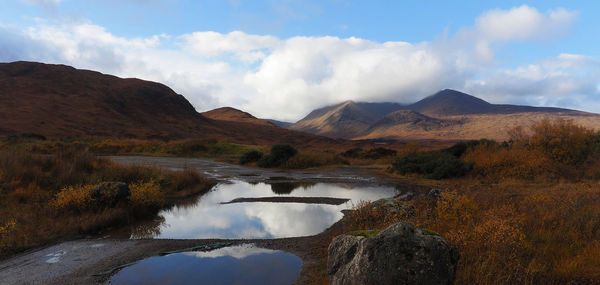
<point x="210" y="219"/>
<point x="244" y="264"/>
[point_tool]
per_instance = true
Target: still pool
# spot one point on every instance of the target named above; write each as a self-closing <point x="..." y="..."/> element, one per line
<point x="244" y="264"/>
<point x="207" y="217"/>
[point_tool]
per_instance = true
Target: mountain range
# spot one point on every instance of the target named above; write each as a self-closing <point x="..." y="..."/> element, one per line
<point x="60" y="101"/>
<point x="445" y="115"/>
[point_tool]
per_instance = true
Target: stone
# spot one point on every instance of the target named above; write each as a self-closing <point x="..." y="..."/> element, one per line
<point x="110" y="193"/>
<point x="400" y="254"/>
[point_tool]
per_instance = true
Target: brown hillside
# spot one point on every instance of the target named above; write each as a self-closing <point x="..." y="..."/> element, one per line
<point x="60" y="101"/>
<point x="345" y="120"/>
<point x="476" y="126"/>
<point x="448" y="115"/>
<point x="234" y="115"/>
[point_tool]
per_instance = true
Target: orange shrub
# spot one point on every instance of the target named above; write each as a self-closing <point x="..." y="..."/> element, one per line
<point x="146" y="195"/>
<point x="497" y="162"/>
<point x="563" y="141"/>
<point x="74" y="198"/>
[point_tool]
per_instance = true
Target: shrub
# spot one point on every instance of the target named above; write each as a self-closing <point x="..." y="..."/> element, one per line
<point x="497" y="162"/>
<point x="353" y="152"/>
<point x="563" y="141"/>
<point x="77" y="198"/>
<point x="279" y="155"/>
<point x="379" y="152"/>
<point x="375" y="153"/>
<point x="460" y="148"/>
<point x="146" y="195"/>
<point x="435" y="165"/>
<point x="302" y="161"/>
<point x="251" y="156"/>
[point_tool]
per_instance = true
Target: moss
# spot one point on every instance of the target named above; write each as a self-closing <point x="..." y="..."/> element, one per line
<point x="365" y="233"/>
<point x="430" y="232"/>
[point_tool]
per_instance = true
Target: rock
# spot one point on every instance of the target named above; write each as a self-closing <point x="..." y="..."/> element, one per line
<point x="400" y="254"/>
<point x="110" y="193"/>
<point x="395" y="207"/>
<point x="435" y="193"/>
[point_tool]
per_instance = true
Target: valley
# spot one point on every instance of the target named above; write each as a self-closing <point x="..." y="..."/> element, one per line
<point x="104" y="179"/>
<point x="296" y="227"/>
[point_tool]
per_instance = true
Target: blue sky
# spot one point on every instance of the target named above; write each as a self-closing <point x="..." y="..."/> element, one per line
<point x="281" y="59"/>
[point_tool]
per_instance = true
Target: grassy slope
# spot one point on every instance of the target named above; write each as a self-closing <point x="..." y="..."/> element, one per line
<point x="46" y="198"/>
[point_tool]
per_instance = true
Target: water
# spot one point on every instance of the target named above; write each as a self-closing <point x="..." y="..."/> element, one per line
<point x="208" y="218"/>
<point x="243" y="264"/>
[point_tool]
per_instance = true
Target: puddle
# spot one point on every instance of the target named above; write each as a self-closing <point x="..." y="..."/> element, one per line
<point x="55" y="256"/>
<point x="244" y="264"/>
<point x="208" y="218"/>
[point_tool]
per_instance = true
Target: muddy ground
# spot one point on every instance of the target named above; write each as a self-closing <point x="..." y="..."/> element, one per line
<point x="93" y="261"/>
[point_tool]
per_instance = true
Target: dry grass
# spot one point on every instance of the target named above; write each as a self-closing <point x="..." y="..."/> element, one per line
<point x="44" y="198"/>
<point x="527" y="214"/>
<point x="514" y="232"/>
<point x="551" y="150"/>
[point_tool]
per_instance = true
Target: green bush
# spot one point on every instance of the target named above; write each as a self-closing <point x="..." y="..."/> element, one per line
<point x="434" y="165"/>
<point x="460" y="148"/>
<point x="251" y="156"/>
<point x="380" y="152"/>
<point x="374" y="153"/>
<point x="279" y="155"/>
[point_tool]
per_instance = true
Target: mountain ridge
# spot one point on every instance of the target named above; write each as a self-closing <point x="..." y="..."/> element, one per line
<point x="62" y="101"/>
<point x="447" y="114"/>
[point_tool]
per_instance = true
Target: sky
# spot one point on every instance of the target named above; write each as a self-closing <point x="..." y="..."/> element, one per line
<point x="282" y="59"/>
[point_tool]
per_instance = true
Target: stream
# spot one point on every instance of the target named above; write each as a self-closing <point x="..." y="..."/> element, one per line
<point x="246" y="204"/>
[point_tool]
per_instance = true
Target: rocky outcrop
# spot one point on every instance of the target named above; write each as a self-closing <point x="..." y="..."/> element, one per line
<point x="400" y="254"/>
<point x="110" y="193"/>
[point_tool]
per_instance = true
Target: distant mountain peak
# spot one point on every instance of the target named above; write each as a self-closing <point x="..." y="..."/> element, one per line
<point x="451" y="102"/>
<point x="234" y="115"/>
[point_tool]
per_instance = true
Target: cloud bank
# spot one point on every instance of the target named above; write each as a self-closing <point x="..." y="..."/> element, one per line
<point x="286" y="78"/>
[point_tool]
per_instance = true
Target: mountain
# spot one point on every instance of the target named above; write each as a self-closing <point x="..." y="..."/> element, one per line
<point x="281" y="124"/>
<point x="410" y="119"/>
<point x="445" y="115"/>
<point x="61" y="101"/>
<point x="450" y="102"/>
<point x="58" y="100"/>
<point x="344" y="120"/>
<point x="234" y="115"/>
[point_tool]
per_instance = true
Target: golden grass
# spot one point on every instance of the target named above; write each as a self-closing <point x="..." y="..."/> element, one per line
<point x="45" y="198"/>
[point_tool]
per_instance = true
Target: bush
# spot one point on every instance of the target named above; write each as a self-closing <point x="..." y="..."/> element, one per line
<point x="77" y="198"/>
<point x="460" y="148"/>
<point x="435" y="165"/>
<point x="353" y="152"/>
<point x="379" y="152"/>
<point x="280" y="154"/>
<point x="146" y="195"/>
<point x="251" y="156"/>
<point x="563" y="141"/>
<point x="375" y="153"/>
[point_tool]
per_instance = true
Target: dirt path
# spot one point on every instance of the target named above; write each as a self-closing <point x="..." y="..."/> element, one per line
<point x="80" y="261"/>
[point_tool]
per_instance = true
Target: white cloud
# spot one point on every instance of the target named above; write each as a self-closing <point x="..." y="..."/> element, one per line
<point x="287" y="78"/>
<point x="246" y="47"/>
<point x="524" y="23"/>
<point x="566" y="79"/>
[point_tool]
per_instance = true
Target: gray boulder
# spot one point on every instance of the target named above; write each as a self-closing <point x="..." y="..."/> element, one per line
<point x="110" y="193"/>
<point x="400" y="254"/>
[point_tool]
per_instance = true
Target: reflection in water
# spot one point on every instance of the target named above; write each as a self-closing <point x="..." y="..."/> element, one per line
<point x="287" y="187"/>
<point x="148" y="228"/>
<point x="207" y="218"/>
<point x="243" y="264"/>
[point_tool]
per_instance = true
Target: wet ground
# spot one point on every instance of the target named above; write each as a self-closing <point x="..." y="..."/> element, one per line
<point x="96" y="260"/>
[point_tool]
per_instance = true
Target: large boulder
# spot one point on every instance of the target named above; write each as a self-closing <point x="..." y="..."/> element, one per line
<point x="110" y="193"/>
<point x="400" y="254"/>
